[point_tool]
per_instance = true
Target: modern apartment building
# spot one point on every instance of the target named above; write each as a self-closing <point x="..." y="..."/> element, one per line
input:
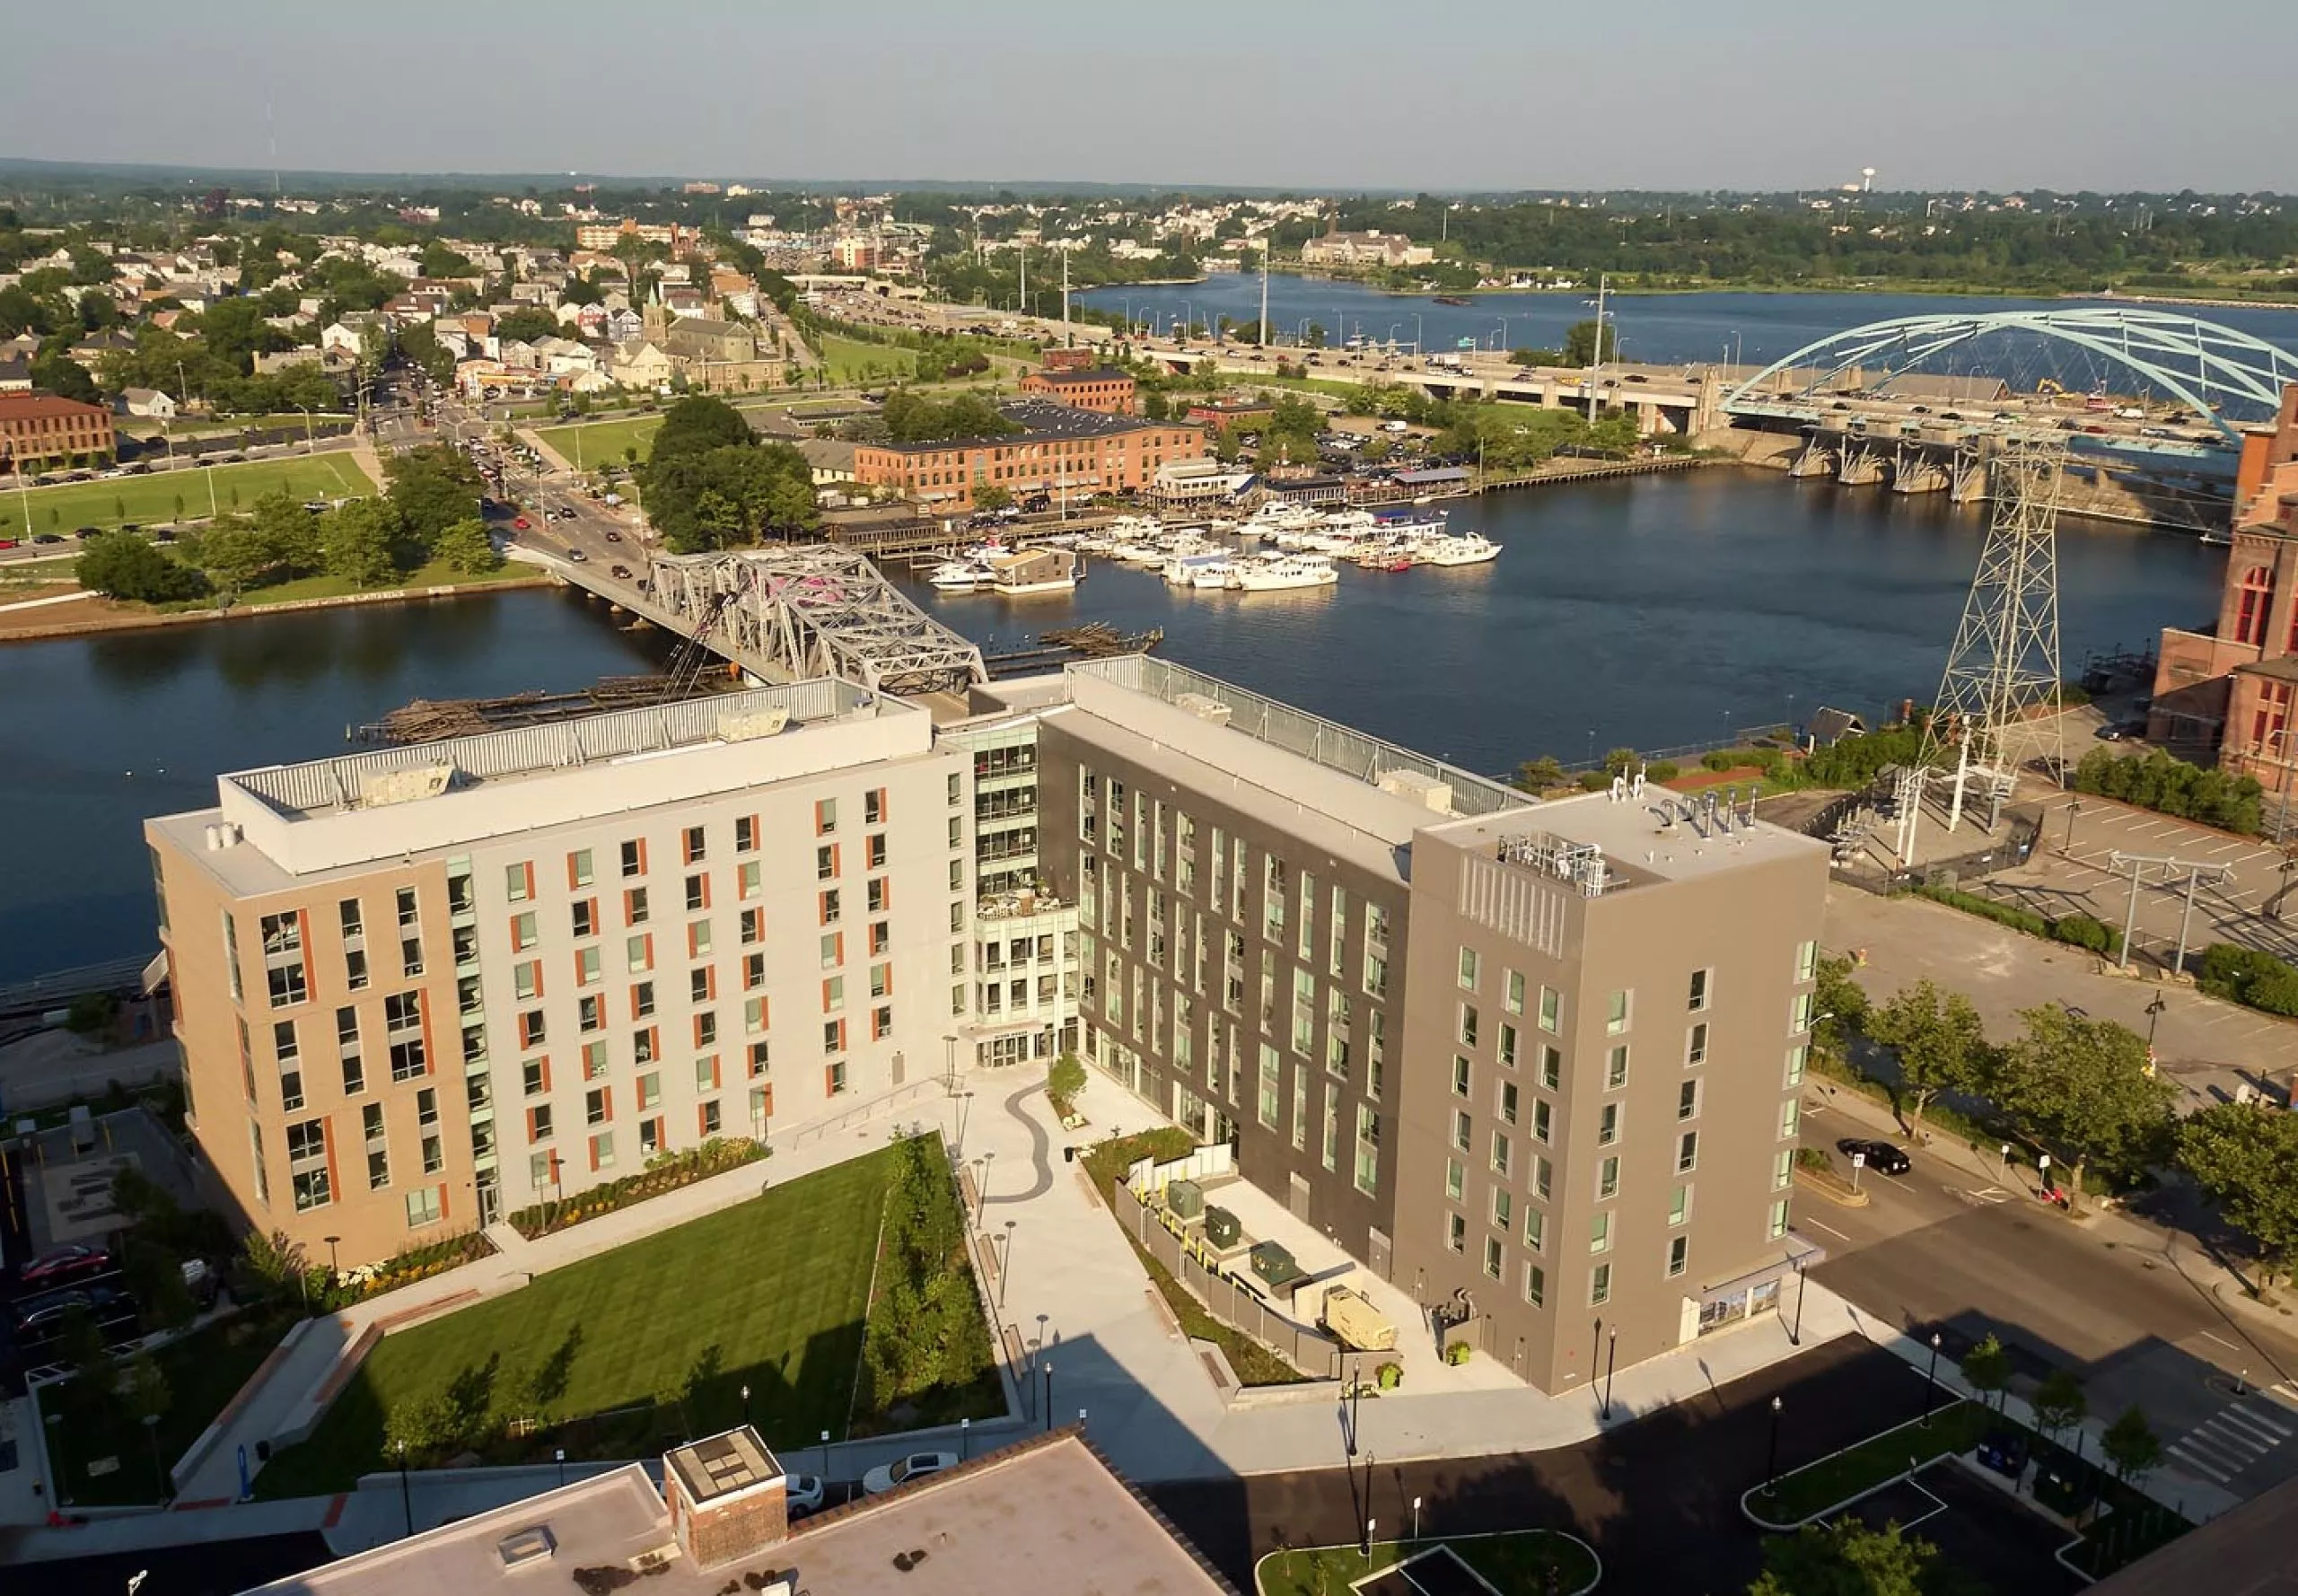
<point x="1538" y="1063"/>
<point x="421" y="986"/>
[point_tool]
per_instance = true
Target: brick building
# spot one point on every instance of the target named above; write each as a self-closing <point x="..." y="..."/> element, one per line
<point x="41" y="429"/>
<point x="1094" y="388"/>
<point x="1059" y="449"/>
<point x="2230" y="684"/>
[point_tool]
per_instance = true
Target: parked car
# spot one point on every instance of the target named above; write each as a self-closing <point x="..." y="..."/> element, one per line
<point x="613" y="536"/>
<point x="60" y="1266"/>
<point x="36" y="1319"/>
<point x="519" y="521"/>
<point x="1885" y="1156"/>
<point x="49" y="538"/>
<point x="578" y="556"/>
<point x="804" y="1494"/>
<point x="918" y="1465"/>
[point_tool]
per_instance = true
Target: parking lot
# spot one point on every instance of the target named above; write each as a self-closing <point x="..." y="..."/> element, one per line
<point x="1977" y="1528"/>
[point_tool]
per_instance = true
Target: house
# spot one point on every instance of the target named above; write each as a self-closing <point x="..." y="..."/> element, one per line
<point x="1369" y="248"/>
<point x="38" y="429"/>
<point x="696" y="338"/>
<point x="830" y="459"/>
<point x="1828" y="726"/>
<point x="15" y="374"/>
<point x="641" y="364"/>
<point x="622" y="324"/>
<point x="149" y="403"/>
<point x="1097" y="388"/>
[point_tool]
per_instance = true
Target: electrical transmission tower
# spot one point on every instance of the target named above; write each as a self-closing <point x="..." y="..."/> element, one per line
<point x="1998" y="699"/>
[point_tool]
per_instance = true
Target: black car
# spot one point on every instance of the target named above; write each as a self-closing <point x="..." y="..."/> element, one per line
<point x="1877" y="1155"/>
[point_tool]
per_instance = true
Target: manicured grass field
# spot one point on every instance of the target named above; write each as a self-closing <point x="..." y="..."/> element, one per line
<point x="437" y="574"/>
<point x="588" y="444"/>
<point x="203" y="1371"/>
<point x="650" y="1342"/>
<point x="149" y="499"/>
<point x="852" y="360"/>
<point x="1515" y="1564"/>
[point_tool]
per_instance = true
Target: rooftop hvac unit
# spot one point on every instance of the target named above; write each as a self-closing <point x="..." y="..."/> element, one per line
<point x="404" y="786"/>
<point x="764" y="722"/>
<point x="1428" y="790"/>
<point x="1203" y="708"/>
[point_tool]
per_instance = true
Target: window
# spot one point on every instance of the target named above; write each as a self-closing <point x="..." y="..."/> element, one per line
<point x="1599" y="1231"/>
<point x="748" y="881"/>
<point x="1687" y="1152"/>
<point x="1608" y="1124"/>
<point x="355" y="969"/>
<point x="1679" y="1255"/>
<point x="1456" y="1233"/>
<point x="1504" y="1209"/>
<point x="705" y="1074"/>
<point x="881" y="894"/>
<point x="536" y="1075"/>
<point x="1600" y="1285"/>
<point x="1807" y="961"/>
<point x="697" y="892"/>
<point x="1616" y="1013"/>
<point x="1616" y="1066"/>
<point x="1783" y="1169"/>
<point x="2257" y="600"/>
<point x="422" y="1207"/>
<point x="1500" y="1153"/>
<point x="702" y="984"/>
<point x="1535" y="1230"/>
<point x="1467" y="1025"/>
<point x="1471" y="963"/>
<point x="602" y="1150"/>
<point x="1696" y="1000"/>
<point x="1492" y="1257"/>
<point x="1778" y="1227"/>
<point x="1543" y="1120"/>
<point x="634" y="857"/>
<point x="1679" y="1204"/>
<point x="518" y="882"/>
<point x="1551" y="1010"/>
<point x="579" y="873"/>
<point x="1543" y="1178"/>
<point x="582" y="916"/>
<point x="642" y="999"/>
<point x="1513" y="999"/>
<point x="1791" y="1117"/>
<point x="1460" y="1076"/>
<point x="1797" y="1056"/>
<point x="1687" y="1100"/>
<point x="873" y="807"/>
<point x="1463" y="1129"/>
<point x="1507" y="1105"/>
<point x="1551" y="1066"/>
<point x="956" y="786"/>
<point x="635" y="907"/>
<point x="693" y="848"/>
<point x="597" y="1105"/>
<point x="1608" y="1178"/>
<point x="829" y="906"/>
<point x="594" y="1060"/>
<point x="586" y="968"/>
<point x="650" y="1090"/>
<point x="638" y="952"/>
<point x="1696" y="1045"/>
<point x="348" y="911"/>
<point x="307" y="1165"/>
<point x="1798" y="1012"/>
<point x="379" y="1156"/>
<point x="825" y="816"/>
<point x="1535" y="1285"/>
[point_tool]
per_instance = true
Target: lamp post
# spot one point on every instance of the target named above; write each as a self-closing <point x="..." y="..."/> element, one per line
<point x="405" y="1499"/>
<point x="825" y="1454"/>
<point x="746" y="1404"/>
<point x="335" y="1274"/>
<point x="2153" y="1018"/>
<point x="1355" y="1400"/>
<point x="1795" y="1331"/>
<point x="159" y="1471"/>
<point x="1931" y="1380"/>
<point x="965" y="1100"/>
<point x="1771" y="1453"/>
<point x="558" y="1456"/>
<point x="965" y="1439"/>
<point x="981" y="1197"/>
<point x="1046" y="1369"/>
<point x="1005" y="1268"/>
<point x="1415" y="1518"/>
<point x="2073" y="808"/>
<point x="1611" y="1361"/>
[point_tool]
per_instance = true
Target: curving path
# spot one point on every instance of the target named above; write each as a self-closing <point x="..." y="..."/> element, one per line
<point x="1040" y="1150"/>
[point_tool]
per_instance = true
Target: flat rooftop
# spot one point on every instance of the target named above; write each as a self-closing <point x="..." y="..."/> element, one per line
<point x="1657" y="836"/>
<point x="1047" y="1516"/>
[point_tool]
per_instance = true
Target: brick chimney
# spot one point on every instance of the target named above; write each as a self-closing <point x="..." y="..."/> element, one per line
<point x="728" y="1497"/>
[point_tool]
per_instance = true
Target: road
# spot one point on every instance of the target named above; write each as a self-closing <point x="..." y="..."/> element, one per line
<point x="2128" y="1307"/>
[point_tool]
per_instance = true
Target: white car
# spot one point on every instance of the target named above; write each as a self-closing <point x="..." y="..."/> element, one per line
<point x="804" y="1494"/>
<point x="917" y="1465"/>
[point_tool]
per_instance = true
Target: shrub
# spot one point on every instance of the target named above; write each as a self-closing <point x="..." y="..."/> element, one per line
<point x="2002" y="914"/>
<point x="2083" y="931"/>
<point x="2247" y="976"/>
<point x="1458" y="1353"/>
<point x="1063" y="1082"/>
<point x="1594" y="781"/>
<point x="1814" y="1158"/>
<point x="90" y="1012"/>
<point x="1388" y="1376"/>
<point x="1663" y="770"/>
<point x="1721" y="759"/>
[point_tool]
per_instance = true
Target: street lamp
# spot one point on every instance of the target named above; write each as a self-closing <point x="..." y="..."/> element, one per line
<point x="1771" y="1453"/>
<point x="746" y="1404"/>
<point x="1931" y="1380"/>
<point x="406" y="1501"/>
<point x="1611" y="1361"/>
<point x="2073" y="808"/>
<point x="982" y="1195"/>
<point x="558" y="1456"/>
<point x="159" y="1471"/>
<point x="2153" y="1018"/>
<point x="1005" y="1268"/>
<point x="1046" y="1369"/>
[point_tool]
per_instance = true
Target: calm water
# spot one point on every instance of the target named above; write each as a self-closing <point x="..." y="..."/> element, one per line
<point x="1656" y="611"/>
<point x="1756" y="328"/>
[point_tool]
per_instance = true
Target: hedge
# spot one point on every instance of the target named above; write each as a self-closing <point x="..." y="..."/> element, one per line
<point x="2081" y="931"/>
<point x="666" y="1173"/>
<point x="2248" y="977"/>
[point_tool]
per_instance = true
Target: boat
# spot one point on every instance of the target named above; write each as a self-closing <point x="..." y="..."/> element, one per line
<point x="1183" y="569"/>
<point x="2216" y="538"/>
<point x="1214" y="575"/>
<point x="1463" y="548"/>
<point x="1034" y="571"/>
<point x="961" y="576"/>
<point x="1283" y="572"/>
<point x="1454" y="299"/>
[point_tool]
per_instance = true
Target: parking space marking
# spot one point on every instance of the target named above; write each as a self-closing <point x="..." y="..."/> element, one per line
<point x="1830" y="1230"/>
<point x="2222" y="1340"/>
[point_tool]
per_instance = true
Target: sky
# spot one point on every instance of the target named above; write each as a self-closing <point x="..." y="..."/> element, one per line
<point x="1334" y="94"/>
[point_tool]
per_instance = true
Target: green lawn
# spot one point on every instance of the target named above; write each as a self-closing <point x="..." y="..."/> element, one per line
<point x="1516" y="1564"/>
<point x="437" y="574"/>
<point x="851" y="360"/>
<point x="589" y="444"/>
<point x="1817" y="1487"/>
<point x="648" y="1343"/>
<point x="147" y="499"/>
<point x="203" y="1371"/>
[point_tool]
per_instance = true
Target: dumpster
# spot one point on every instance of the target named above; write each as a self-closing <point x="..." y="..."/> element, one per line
<point x="1185" y="1198"/>
<point x="1221" y="1227"/>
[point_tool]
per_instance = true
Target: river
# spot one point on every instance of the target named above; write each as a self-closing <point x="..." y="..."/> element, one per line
<point x="1661" y="327"/>
<point x="1656" y="611"/>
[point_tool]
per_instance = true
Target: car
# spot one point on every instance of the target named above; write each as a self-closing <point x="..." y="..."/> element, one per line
<point x="613" y="536"/>
<point x="918" y="1465"/>
<point x="803" y="1493"/>
<point x="520" y="522"/>
<point x="619" y="572"/>
<point x="49" y="537"/>
<point x="578" y="556"/>
<point x="36" y="1319"/>
<point x="76" y="1261"/>
<point x="2109" y="734"/>
<point x="1890" y="1158"/>
<point x="86" y="531"/>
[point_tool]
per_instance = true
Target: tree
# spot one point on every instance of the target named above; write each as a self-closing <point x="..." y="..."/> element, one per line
<point x="1538" y="775"/>
<point x="1580" y="343"/>
<point x="291" y="532"/>
<point x="2085" y="1087"/>
<point x="2059" y="1402"/>
<point x="1846" y="1558"/>
<point x="80" y="1343"/>
<point x="695" y="425"/>
<point x="1986" y="1367"/>
<point x="466" y="547"/>
<point x="146" y="1394"/>
<point x="236" y="556"/>
<point x="124" y="565"/>
<point x="1841" y="1002"/>
<point x="991" y="495"/>
<point x="1940" y="1040"/>
<point x="527" y="324"/>
<point x="432" y="488"/>
<point x="1063" y="1082"/>
<point x="2131" y="1444"/>
<point x="2245" y="1158"/>
<point x="362" y="540"/>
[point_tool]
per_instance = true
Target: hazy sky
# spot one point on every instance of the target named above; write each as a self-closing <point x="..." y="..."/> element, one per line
<point x="1437" y="93"/>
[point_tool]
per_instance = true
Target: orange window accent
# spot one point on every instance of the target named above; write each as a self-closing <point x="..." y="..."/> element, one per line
<point x="573" y="880"/>
<point x="606" y="1101"/>
<point x="530" y="868"/>
<point x="766" y="1099"/>
<point x="545" y="1062"/>
<point x="822" y="907"/>
<point x="822" y="807"/>
<point x="826" y="1006"/>
<point x="594" y="1152"/>
<point x="702" y="1120"/>
<point x="705" y="892"/>
<point x="642" y="856"/>
<point x="534" y="1134"/>
<point x="536" y="964"/>
<point x="710" y="983"/>
<point x="693" y="939"/>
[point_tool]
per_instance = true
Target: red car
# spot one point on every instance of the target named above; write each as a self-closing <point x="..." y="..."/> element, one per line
<point x="520" y="522"/>
<point x="59" y="1266"/>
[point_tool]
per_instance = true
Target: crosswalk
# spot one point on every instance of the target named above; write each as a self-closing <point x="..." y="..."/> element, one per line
<point x="2237" y="1435"/>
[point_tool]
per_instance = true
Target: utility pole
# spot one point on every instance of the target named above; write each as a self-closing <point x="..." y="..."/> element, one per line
<point x="2194" y="869"/>
<point x="1263" y="339"/>
<point x="1998" y="697"/>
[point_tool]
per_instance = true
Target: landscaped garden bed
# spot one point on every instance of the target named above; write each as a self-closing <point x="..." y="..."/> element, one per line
<point x="1518" y="1562"/>
<point x="666" y="1173"/>
<point x="1815" y="1487"/>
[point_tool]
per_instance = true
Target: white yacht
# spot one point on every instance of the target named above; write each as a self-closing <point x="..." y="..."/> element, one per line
<point x="1466" y="549"/>
<point x="1282" y="573"/>
<point x="961" y="576"/>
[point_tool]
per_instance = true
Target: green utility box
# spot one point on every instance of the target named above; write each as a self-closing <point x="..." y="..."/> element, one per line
<point x="1221" y="1227"/>
<point x="1185" y="1198"/>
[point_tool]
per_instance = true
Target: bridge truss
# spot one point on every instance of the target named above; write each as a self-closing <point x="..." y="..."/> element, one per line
<point x="814" y="610"/>
<point x="2214" y="371"/>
